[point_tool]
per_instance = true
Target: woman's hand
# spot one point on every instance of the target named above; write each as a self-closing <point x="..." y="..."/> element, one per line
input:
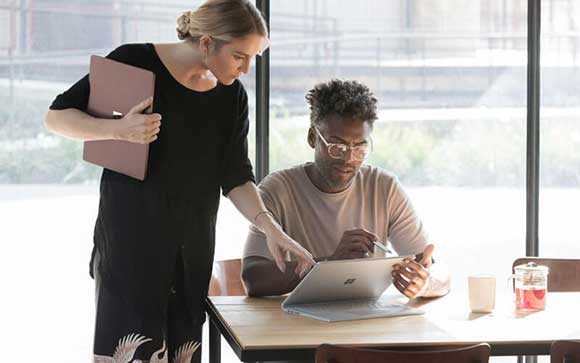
<point x="248" y="201"/>
<point x="279" y="243"/>
<point x="137" y="127"/>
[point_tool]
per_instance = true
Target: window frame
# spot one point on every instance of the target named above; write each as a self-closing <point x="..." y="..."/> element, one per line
<point x="532" y="118"/>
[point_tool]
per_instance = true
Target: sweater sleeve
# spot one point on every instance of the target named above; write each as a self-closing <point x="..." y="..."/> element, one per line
<point x="406" y="231"/>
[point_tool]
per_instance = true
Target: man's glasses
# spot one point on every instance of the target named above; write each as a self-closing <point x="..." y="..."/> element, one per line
<point x="341" y="151"/>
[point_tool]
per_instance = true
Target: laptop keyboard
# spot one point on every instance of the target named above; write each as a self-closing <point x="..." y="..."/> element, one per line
<point x="365" y="305"/>
<point x="373" y="304"/>
<point x="351" y="310"/>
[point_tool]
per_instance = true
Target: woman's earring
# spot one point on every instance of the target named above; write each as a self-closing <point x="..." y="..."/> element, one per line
<point x="204" y="58"/>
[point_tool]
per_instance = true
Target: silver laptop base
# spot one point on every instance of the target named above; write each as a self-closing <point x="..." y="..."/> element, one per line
<point x="347" y="310"/>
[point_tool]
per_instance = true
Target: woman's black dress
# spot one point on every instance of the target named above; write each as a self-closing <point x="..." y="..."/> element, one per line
<point x="154" y="239"/>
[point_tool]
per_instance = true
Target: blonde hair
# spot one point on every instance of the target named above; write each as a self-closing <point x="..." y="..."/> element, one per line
<point x="223" y="20"/>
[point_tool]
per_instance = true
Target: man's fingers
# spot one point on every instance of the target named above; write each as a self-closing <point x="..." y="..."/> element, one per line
<point x="398" y="285"/>
<point x="354" y="254"/>
<point x="409" y="274"/>
<point x="427" y="255"/>
<point x="363" y="232"/>
<point x="359" y="246"/>
<point x="360" y="239"/>
<point x="373" y="237"/>
<point x="403" y="289"/>
<point x="418" y="269"/>
<point x="141" y="106"/>
<point x="406" y="288"/>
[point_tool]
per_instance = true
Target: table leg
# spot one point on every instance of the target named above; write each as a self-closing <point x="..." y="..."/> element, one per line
<point x="215" y="340"/>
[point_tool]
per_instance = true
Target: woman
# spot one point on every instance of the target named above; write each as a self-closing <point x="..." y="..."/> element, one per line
<point x="154" y="240"/>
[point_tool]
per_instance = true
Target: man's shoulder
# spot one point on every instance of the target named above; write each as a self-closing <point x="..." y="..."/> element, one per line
<point x="375" y="174"/>
<point x="283" y="179"/>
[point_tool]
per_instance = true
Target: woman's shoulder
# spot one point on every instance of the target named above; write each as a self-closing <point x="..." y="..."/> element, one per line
<point x="137" y="54"/>
<point x="132" y="49"/>
<point x="234" y="92"/>
<point x="238" y="90"/>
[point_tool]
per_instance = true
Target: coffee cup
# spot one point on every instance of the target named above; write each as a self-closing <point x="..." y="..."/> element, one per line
<point x="481" y="293"/>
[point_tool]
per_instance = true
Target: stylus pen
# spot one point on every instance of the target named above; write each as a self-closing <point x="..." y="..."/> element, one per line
<point x="383" y="247"/>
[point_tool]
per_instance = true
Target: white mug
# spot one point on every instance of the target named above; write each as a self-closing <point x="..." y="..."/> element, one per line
<point x="481" y="293"/>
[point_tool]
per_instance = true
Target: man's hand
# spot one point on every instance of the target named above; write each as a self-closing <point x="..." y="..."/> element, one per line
<point x="412" y="277"/>
<point x="355" y="243"/>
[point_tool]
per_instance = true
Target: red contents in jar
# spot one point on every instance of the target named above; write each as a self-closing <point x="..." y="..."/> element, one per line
<point x="530" y="299"/>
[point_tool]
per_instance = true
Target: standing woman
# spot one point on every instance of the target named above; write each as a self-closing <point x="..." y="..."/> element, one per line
<point x="154" y="239"/>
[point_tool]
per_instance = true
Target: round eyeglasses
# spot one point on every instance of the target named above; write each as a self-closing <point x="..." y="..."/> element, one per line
<point x="341" y="151"/>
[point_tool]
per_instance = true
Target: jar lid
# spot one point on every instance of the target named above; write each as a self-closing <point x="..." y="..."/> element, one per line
<point x="531" y="267"/>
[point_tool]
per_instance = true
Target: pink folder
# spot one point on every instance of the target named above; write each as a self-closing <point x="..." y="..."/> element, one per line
<point x="115" y="89"/>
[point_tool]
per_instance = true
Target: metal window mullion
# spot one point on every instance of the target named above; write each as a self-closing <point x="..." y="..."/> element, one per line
<point x="533" y="134"/>
<point x="533" y="128"/>
<point x="263" y="103"/>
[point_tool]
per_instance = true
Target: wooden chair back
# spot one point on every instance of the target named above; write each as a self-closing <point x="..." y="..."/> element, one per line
<point x="564" y="274"/>
<point x="327" y="353"/>
<point x="565" y="351"/>
<point x="226" y="279"/>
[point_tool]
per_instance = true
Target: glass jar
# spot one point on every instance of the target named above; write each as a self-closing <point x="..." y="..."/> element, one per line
<point x="531" y="286"/>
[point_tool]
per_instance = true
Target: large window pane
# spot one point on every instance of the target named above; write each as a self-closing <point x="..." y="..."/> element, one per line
<point x="560" y="128"/>
<point x="450" y="77"/>
<point x="48" y="195"/>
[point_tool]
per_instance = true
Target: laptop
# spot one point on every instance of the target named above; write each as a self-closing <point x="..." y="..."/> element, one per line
<point x="347" y="290"/>
<point x="115" y="88"/>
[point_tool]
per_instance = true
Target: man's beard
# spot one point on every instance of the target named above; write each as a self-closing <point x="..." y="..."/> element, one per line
<point x="334" y="182"/>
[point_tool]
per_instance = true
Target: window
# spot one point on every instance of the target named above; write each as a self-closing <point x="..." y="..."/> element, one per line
<point x="48" y="195"/>
<point x="559" y="129"/>
<point x="450" y="77"/>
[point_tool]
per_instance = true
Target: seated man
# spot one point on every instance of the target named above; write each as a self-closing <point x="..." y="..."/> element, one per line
<point x="336" y="207"/>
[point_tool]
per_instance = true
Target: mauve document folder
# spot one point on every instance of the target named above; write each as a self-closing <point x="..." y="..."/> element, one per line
<point x="115" y="89"/>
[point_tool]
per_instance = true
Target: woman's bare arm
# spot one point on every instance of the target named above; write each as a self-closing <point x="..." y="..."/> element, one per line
<point x="134" y="126"/>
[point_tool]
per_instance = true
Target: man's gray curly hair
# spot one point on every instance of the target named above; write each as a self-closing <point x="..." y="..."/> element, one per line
<point x="343" y="98"/>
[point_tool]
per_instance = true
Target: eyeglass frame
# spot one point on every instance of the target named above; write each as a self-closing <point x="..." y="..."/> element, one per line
<point x="348" y="147"/>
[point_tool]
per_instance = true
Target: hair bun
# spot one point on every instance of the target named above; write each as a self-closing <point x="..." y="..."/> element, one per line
<point x="183" y="22"/>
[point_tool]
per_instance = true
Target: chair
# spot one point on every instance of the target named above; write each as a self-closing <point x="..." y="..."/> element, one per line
<point x="564" y="274"/>
<point x="565" y="351"/>
<point x="327" y="353"/>
<point x="225" y="280"/>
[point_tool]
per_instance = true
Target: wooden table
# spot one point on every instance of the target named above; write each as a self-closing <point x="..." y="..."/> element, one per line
<point x="258" y="330"/>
